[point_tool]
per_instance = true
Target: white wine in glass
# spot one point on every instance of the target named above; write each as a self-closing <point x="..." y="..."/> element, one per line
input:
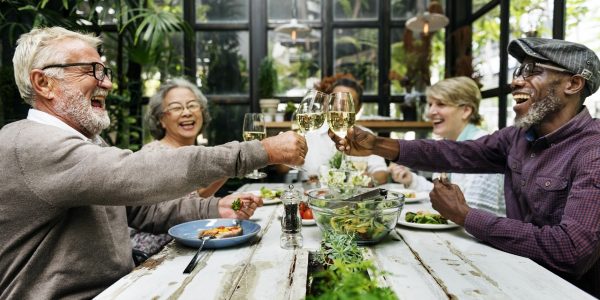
<point x="340" y="115"/>
<point x="254" y="129"/>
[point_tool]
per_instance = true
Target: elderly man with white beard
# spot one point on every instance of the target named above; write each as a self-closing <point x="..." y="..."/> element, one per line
<point x="550" y="159"/>
<point x="63" y="191"/>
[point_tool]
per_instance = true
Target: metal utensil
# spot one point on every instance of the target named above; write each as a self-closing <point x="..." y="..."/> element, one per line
<point x="194" y="261"/>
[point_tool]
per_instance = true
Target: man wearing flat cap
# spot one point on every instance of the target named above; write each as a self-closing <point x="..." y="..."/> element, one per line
<point x="550" y="159"/>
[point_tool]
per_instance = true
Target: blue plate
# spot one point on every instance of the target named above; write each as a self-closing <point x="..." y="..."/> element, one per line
<point x="187" y="233"/>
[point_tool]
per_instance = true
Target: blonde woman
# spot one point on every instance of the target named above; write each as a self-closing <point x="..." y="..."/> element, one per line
<point x="453" y="108"/>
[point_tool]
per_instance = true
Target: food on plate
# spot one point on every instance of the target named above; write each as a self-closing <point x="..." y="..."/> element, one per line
<point x="305" y="211"/>
<point x="423" y="217"/>
<point x="221" y="232"/>
<point x="236" y="204"/>
<point x="268" y="193"/>
<point x="409" y="194"/>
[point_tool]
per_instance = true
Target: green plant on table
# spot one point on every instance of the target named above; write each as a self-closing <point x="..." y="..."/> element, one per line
<point x="346" y="274"/>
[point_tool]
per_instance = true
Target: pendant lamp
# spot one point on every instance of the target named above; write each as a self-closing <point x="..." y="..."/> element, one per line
<point x="431" y="20"/>
<point x="294" y="28"/>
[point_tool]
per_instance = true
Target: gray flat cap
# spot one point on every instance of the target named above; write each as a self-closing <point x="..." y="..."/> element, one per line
<point x="574" y="57"/>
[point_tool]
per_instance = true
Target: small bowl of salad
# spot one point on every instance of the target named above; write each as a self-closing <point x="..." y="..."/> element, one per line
<point x="369" y="219"/>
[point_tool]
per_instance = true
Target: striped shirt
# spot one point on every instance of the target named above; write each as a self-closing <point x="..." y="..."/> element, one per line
<point x="551" y="187"/>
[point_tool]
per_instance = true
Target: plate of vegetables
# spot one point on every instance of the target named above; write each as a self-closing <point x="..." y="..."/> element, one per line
<point x="425" y="220"/>
<point x="269" y="196"/>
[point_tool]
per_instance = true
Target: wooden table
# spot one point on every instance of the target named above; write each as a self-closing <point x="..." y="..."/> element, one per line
<point x="422" y="264"/>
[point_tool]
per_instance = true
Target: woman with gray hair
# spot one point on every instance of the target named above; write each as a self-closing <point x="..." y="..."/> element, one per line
<point x="177" y="114"/>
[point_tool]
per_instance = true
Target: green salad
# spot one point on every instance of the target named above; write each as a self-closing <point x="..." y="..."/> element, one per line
<point x="368" y="220"/>
<point x="268" y="193"/>
<point x="422" y="217"/>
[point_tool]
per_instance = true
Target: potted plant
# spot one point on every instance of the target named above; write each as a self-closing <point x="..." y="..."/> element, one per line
<point x="267" y="85"/>
<point x="290" y="108"/>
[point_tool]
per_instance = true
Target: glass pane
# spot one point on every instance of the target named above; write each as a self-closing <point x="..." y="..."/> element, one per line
<point x="298" y="64"/>
<point x="582" y="28"/>
<point x="222" y="62"/>
<point x="284" y="9"/>
<point x="355" y="52"/>
<point x="477" y="4"/>
<point x="226" y="123"/>
<point x="488" y="109"/>
<point x="404" y="9"/>
<point x="170" y="65"/>
<point x="355" y="9"/>
<point x="229" y="11"/>
<point x="486" y="52"/>
<point x="367" y="110"/>
<point x="404" y="65"/>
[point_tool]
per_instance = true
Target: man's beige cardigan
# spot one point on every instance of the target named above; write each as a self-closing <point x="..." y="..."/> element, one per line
<point x="63" y="222"/>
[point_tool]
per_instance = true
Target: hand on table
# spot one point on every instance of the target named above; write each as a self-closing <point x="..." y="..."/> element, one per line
<point x="449" y="201"/>
<point x="401" y="174"/>
<point x="249" y="203"/>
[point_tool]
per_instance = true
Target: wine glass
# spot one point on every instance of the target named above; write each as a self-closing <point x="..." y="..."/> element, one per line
<point x="341" y="116"/>
<point x="254" y="129"/>
<point x="310" y="114"/>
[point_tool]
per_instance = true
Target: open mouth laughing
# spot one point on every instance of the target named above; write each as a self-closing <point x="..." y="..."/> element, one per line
<point x="187" y="125"/>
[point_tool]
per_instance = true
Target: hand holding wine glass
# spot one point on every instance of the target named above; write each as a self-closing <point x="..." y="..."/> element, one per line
<point x="254" y="129"/>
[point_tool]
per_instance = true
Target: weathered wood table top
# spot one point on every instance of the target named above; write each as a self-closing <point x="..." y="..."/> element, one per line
<point x="421" y="264"/>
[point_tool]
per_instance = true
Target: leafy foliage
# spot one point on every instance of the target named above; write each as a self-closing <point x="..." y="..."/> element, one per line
<point x="346" y="275"/>
<point x="267" y="78"/>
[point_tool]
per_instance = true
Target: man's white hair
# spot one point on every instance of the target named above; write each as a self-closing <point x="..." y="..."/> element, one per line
<point x="41" y="47"/>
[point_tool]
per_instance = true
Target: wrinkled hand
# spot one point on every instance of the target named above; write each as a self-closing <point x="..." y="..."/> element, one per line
<point x="401" y="174"/>
<point x="357" y="142"/>
<point x="449" y="201"/>
<point x="286" y="148"/>
<point x="249" y="203"/>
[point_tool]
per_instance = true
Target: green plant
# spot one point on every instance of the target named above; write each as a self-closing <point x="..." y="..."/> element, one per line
<point x="267" y="78"/>
<point x="346" y="274"/>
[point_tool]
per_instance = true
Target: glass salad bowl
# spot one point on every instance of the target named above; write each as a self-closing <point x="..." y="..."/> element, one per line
<point x="369" y="220"/>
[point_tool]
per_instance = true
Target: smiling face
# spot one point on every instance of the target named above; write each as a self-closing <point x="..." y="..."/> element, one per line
<point x="448" y="120"/>
<point x="81" y="98"/>
<point x="535" y="97"/>
<point x="180" y="128"/>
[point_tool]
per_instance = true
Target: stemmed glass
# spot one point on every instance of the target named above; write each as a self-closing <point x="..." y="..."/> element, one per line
<point x="254" y="129"/>
<point x="310" y="114"/>
<point x="340" y="116"/>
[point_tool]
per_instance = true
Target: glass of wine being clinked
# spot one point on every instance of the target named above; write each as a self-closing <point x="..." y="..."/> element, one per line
<point x="310" y="114"/>
<point x="254" y="129"/>
<point x="340" y="115"/>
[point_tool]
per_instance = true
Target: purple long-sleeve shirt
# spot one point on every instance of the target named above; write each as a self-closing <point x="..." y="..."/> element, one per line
<point x="552" y="190"/>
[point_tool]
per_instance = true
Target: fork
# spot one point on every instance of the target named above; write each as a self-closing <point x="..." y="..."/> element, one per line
<point x="190" y="267"/>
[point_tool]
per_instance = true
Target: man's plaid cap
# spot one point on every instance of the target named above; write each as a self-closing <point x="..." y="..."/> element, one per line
<point x="576" y="58"/>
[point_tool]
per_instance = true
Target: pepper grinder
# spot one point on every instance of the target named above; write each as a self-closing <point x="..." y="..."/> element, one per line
<point x="291" y="224"/>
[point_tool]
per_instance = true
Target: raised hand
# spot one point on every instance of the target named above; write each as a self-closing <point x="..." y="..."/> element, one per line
<point x="357" y="142"/>
<point x="286" y="148"/>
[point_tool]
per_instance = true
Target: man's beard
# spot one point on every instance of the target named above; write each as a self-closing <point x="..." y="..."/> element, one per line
<point x="539" y="110"/>
<point x="79" y="109"/>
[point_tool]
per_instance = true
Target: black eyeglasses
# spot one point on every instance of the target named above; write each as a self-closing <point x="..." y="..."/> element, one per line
<point x="533" y="68"/>
<point x="99" y="71"/>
